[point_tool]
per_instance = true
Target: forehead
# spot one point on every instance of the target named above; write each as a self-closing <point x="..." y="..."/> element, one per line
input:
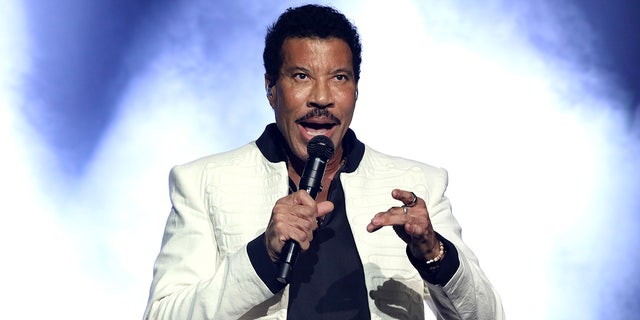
<point x="316" y="50"/>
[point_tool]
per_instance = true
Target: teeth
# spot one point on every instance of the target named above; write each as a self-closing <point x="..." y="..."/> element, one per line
<point x="316" y="132"/>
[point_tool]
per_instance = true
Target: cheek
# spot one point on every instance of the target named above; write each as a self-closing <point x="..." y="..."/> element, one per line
<point x="349" y="107"/>
<point x="287" y="103"/>
<point x="285" y="118"/>
<point x="347" y="98"/>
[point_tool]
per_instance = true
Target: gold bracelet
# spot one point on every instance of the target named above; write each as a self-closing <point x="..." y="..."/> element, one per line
<point x="439" y="256"/>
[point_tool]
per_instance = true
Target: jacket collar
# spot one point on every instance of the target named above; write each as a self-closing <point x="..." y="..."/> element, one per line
<point x="273" y="147"/>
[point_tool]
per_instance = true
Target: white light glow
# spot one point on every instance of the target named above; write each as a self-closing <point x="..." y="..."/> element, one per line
<point x="543" y="169"/>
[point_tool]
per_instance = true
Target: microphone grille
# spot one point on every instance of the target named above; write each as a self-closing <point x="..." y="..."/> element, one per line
<point x="320" y="147"/>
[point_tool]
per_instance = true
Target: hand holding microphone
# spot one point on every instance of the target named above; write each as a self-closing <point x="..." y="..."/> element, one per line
<point x="320" y="149"/>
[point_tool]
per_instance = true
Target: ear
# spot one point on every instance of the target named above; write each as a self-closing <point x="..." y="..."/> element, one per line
<point x="270" y="90"/>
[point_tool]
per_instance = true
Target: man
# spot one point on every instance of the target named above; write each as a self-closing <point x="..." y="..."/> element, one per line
<point x="379" y="241"/>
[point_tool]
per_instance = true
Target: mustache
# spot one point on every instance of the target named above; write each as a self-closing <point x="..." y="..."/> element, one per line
<point x="316" y="112"/>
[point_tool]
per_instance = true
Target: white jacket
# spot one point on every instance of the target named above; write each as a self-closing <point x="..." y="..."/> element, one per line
<point x="203" y="270"/>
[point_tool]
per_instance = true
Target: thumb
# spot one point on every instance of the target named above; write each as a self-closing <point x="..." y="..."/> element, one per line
<point x="324" y="208"/>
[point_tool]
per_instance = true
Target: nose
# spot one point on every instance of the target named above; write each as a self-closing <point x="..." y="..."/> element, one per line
<point x="321" y="96"/>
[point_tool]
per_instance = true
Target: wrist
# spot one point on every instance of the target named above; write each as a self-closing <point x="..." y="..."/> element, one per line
<point x="439" y="256"/>
<point x="439" y="272"/>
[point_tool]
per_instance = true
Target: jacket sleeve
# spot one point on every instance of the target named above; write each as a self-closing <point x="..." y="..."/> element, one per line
<point x="191" y="280"/>
<point x="468" y="294"/>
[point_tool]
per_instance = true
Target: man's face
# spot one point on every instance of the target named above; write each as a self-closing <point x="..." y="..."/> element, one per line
<point x="315" y="93"/>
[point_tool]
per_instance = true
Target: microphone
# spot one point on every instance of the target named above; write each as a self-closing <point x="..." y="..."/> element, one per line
<point x="320" y="150"/>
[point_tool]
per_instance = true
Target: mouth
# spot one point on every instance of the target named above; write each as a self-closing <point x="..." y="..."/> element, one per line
<point x="315" y="127"/>
<point x="317" y="122"/>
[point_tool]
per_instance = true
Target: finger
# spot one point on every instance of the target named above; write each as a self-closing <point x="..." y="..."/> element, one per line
<point x="311" y="211"/>
<point x="287" y="212"/>
<point x="301" y="197"/>
<point x="287" y="216"/>
<point x="305" y="224"/>
<point x="324" y="208"/>
<point x="393" y="216"/>
<point x="407" y="197"/>
<point x="302" y="238"/>
<point x="376" y="222"/>
<point x="298" y="204"/>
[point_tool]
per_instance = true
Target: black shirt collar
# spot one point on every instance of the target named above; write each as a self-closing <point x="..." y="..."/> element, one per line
<point x="274" y="147"/>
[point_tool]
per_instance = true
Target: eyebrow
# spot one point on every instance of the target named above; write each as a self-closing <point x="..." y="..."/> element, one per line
<point x="343" y="70"/>
<point x="293" y="69"/>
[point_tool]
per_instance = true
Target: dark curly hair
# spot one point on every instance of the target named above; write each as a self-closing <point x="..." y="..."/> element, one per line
<point x="309" y="21"/>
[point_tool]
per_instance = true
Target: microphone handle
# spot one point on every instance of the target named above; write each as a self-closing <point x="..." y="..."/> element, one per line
<point x="288" y="258"/>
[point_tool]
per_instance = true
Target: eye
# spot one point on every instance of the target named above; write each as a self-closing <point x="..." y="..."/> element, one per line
<point x="300" y="76"/>
<point x="341" y="77"/>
